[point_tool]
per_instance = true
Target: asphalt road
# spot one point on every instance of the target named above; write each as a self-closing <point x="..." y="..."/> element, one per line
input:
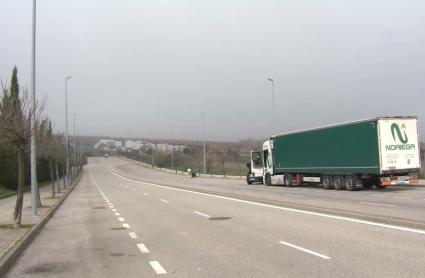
<point x="404" y="202"/>
<point x="111" y="226"/>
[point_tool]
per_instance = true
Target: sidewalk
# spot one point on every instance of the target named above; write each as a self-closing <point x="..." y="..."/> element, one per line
<point x="9" y="236"/>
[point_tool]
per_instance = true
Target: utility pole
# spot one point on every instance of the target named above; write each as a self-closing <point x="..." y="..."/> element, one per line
<point x="66" y="132"/>
<point x="274" y="118"/>
<point x="203" y="135"/>
<point x="34" y="185"/>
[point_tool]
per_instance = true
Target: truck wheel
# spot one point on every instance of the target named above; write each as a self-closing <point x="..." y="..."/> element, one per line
<point x="350" y="182"/>
<point x="248" y="176"/>
<point x="288" y="180"/>
<point x="379" y="186"/>
<point x="367" y="185"/>
<point x="337" y="182"/>
<point x="327" y="182"/>
<point x="268" y="179"/>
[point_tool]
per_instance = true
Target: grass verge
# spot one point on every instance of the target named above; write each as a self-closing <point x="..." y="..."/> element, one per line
<point x="5" y="192"/>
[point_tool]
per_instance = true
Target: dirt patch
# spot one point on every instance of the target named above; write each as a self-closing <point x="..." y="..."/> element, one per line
<point x="50" y="267"/>
<point x="220" y="218"/>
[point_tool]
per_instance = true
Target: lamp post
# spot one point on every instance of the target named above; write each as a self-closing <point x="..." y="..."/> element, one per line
<point x="34" y="185"/>
<point x="203" y="135"/>
<point x="274" y="118"/>
<point x="66" y="132"/>
<point x="75" y="139"/>
<point x="172" y="149"/>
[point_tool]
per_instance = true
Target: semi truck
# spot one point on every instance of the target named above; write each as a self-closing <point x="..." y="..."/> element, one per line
<point x="376" y="152"/>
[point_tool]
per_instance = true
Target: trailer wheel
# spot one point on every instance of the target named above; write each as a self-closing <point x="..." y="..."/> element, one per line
<point x="337" y="182"/>
<point x="288" y="180"/>
<point x="268" y="179"/>
<point x="350" y="182"/>
<point x="248" y="180"/>
<point x="327" y="182"/>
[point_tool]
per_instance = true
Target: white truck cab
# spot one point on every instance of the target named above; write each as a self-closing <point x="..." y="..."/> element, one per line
<point x="255" y="173"/>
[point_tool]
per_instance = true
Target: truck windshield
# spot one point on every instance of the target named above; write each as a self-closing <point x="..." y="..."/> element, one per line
<point x="256" y="160"/>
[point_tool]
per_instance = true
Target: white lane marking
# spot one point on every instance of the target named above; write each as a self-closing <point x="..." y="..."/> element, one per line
<point x="378" y="204"/>
<point x="202" y="214"/>
<point x="157" y="267"/>
<point x="372" y="195"/>
<point x="114" y="209"/>
<point x="142" y="248"/>
<point x="133" y="235"/>
<point x="399" y="197"/>
<point x="121" y="219"/>
<point x="165" y="201"/>
<point x="146" y="194"/>
<point x="111" y="206"/>
<point x="125" y="225"/>
<point x="117" y="214"/>
<point x="294" y="195"/>
<point x="343" y="218"/>
<point x="305" y="250"/>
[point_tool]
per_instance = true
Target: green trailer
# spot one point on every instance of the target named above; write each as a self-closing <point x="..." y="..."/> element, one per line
<point x="379" y="151"/>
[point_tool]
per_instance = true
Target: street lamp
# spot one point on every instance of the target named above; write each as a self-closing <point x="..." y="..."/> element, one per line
<point x="274" y="119"/>
<point x="34" y="185"/>
<point x="203" y="135"/>
<point x="66" y="132"/>
<point x="75" y="141"/>
<point x="172" y="149"/>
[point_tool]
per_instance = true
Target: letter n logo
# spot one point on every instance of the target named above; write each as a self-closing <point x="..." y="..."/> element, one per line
<point x="395" y="129"/>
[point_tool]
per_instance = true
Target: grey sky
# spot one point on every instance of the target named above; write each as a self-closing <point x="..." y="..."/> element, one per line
<point x="140" y="67"/>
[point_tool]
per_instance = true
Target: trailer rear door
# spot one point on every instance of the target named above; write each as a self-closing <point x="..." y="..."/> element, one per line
<point x="398" y="143"/>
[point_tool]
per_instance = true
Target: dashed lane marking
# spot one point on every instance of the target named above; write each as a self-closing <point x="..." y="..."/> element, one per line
<point x="142" y="248"/>
<point x="121" y="219"/>
<point x="117" y="214"/>
<point x="157" y="267"/>
<point x="133" y="235"/>
<point x="125" y="225"/>
<point x="202" y="214"/>
<point x="165" y="201"/>
<point x="305" y="250"/>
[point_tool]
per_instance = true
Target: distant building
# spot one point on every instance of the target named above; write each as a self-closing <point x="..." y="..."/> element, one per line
<point x="133" y="145"/>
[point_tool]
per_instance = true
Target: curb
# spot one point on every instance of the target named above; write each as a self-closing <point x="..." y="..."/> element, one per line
<point x="331" y="211"/>
<point x="7" y="195"/>
<point x="10" y="257"/>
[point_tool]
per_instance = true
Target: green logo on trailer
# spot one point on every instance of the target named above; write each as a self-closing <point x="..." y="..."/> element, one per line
<point x="401" y="135"/>
<point x="395" y="129"/>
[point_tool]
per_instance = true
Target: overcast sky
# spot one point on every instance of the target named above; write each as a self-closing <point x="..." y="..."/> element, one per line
<point x="140" y="67"/>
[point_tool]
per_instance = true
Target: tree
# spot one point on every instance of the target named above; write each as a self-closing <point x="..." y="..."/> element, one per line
<point x="46" y="149"/>
<point x="16" y="130"/>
